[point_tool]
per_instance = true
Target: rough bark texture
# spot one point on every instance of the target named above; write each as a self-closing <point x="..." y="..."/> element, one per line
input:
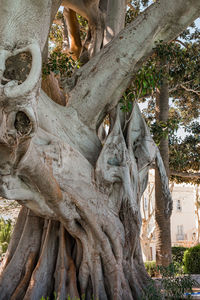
<point x="79" y="232"/>
<point x="163" y="229"/>
<point x="51" y="87"/>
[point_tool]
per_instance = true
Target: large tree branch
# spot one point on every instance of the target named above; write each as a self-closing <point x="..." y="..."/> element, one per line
<point x="65" y="124"/>
<point x="102" y="80"/>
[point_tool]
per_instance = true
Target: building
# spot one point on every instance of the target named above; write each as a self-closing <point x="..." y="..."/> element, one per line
<point x="184" y="223"/>
<point x="183" y="220"/>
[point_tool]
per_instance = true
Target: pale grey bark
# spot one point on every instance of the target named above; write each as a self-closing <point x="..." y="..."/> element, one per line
<point x="81" y="193"/>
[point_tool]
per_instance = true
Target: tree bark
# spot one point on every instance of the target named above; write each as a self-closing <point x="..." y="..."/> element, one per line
<point x="163" y="230"/>
<point x="50" y="86"/>
<point x="102" y="252"/>
<point x="79" y="232"/>
<point x="185" y="174"/>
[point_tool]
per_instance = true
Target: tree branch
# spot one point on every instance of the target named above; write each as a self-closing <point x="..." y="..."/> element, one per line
<point x="185" y="174"/>
<point x="180" y="42"/>
<point x="190" y="90"/>
<point x="103" y="79"/>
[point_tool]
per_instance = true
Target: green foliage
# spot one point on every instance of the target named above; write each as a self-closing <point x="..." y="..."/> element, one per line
<point x="59" y="60"/>
<point x="5" y="234"/>
<point x="56" y="36"/>
<point x="191" y="260"/>
<point x="83" y="23"/>
<point x="184" y="153"/>
<point x="147" y="80"/>
<point x="126" y="101"/>
<point x="151" y="268"/>
<point x="152" y="292"/>
<point x="172" y="286"/>
<point x="60" y="64"/>
<point x="160" y="129"/>
<point x="177" y="254"/>
<point x="175" y="286"/>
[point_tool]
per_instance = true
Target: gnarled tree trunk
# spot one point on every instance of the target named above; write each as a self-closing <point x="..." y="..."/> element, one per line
<point x="79" y="232"/>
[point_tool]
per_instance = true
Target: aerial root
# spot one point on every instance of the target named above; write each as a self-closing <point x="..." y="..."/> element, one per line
<point x="16" y="235"/>
<point x="28" y="245"/>
<point x="65" y="273"/>
<point x="48" y="259"/>
<point x="41" y="282"/>
<point x="21" y="288"/>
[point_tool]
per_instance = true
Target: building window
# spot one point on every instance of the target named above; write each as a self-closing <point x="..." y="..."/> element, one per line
<point x="178" y="205"/>
<point x="180" y="235"/>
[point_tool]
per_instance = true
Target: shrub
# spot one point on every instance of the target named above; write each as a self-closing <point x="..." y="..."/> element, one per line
<point x="151" y="268"/>
<point x="152" y="292"/>
<point x="174" y="283"/>
<point x="191" y="260"/>
<point x="177" y="254"/>
<point x="5" y="234"/>
<point x="171" y="286"/>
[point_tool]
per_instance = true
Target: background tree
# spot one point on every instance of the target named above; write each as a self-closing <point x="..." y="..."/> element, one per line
<point x="172" y="72"/>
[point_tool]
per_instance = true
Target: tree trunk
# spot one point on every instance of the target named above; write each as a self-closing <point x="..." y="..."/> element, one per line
<point x="51" y="87"/>
<point x="163" y="230"/>
<point x="95" y="250"/>
<point x="79" y="233"/>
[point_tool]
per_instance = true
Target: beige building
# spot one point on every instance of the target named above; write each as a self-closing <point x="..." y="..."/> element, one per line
<point x="184" y="224"/>
<point x="183" y="219"/>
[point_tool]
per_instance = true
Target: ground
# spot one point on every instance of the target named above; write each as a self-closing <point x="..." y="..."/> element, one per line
<point x="9" y="209"/>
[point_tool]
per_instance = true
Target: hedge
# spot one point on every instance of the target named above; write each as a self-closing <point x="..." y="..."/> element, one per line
<point x="191" y="260"/>
<point x="177" y="254"/>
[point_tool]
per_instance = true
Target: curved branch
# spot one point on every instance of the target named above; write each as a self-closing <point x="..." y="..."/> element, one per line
<point x="190" y="90"/>
<point x="182" y="43"/>
<point x="112" y="69"/>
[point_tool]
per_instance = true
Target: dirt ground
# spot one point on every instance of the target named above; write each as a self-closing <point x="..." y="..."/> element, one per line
<point x="9" y="209"/>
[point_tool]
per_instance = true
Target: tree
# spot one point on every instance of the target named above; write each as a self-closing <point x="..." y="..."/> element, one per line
<point x="163" y="228"/>
<point x="171" y="71"/>
<point x="184" y="155"/>
<point x="78" y="230"/>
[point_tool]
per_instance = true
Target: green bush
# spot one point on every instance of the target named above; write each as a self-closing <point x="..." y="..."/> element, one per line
<point x="173" y="285"/>
<point x="151" y="268"/>
<point x="191" y="260"/>
<point x="5" y="234"/>
<point x="177" y="254"/>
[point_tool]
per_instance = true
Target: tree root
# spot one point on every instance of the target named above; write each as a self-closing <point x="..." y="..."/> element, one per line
<point x="48" y="260"/>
